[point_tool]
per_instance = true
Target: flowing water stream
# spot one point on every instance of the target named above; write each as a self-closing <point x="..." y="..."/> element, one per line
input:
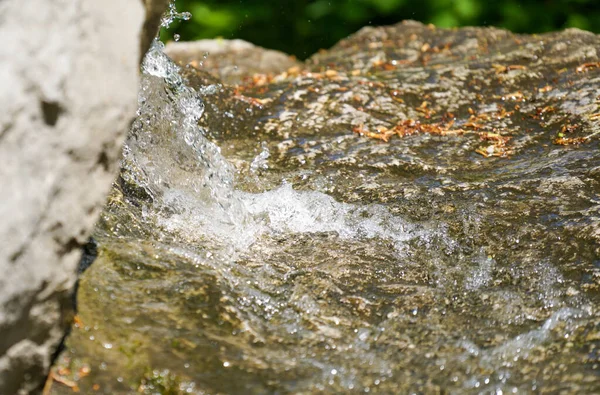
<point x="245" y="270"/>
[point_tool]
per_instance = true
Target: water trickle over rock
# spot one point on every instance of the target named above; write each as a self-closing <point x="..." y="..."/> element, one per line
<point x="426" y="219"/>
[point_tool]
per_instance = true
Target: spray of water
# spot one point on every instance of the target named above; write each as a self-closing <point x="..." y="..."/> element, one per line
<point x="192" y="185"/>
<point x="193" y="196"/>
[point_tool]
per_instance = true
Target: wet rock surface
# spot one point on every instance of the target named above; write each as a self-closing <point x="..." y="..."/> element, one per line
<point x="424" y="216"/>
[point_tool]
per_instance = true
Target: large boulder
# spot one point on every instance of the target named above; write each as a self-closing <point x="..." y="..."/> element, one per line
<point x="438" y="226"/>
<point x="69" y="81"/>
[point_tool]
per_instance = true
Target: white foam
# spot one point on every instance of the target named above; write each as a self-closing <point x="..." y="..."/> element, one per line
<point x="286" y="210"/>
<point x="192" y="184"/>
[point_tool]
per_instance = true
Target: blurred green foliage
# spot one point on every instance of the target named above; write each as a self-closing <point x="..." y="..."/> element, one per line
<point x="301" y="27"/>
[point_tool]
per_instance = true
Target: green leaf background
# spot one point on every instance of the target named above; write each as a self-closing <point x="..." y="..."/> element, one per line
<point x="302" y="27"/>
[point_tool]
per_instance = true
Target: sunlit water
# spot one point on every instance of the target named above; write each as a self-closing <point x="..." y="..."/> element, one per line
<point x="202" y="286"/>
<point x="193" y="186"/>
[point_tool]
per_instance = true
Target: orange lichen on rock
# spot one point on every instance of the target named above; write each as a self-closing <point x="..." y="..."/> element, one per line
<point x="498" y="146"/>
<point x="382" y="133"/>
<point x="256" y="102"/>
<point x="425" y="109"/>
<point x="570" y="140"/>
<point x="586" y="66"/>
<point x="497" y="143"/>
<point x="500" y="69"/>
<point x="59" y="378"/>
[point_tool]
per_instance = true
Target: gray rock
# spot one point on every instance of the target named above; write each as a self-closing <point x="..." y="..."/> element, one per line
<point x="69" y="80"/>
<point x="230" y="60"/>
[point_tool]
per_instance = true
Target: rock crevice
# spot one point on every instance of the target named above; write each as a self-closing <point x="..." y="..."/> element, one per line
<point x="69" y="80"/>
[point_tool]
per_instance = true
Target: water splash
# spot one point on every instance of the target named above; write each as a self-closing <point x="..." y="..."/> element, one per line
<point x="293" y="291"/>
<point x="192" y="184"/>
<point x="168" y="155"/>
<point x="288" y="211"/>
<point x="172" y="15"/>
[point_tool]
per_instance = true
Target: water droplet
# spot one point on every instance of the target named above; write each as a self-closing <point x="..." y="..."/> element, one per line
<point x="172" y="15"/>
<point x="176" y="37"/>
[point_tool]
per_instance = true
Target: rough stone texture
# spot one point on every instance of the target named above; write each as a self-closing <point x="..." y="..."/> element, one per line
<point x="458" y="134"/>
<point x="230" y="60"/>
<point x="69" y="80"/>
